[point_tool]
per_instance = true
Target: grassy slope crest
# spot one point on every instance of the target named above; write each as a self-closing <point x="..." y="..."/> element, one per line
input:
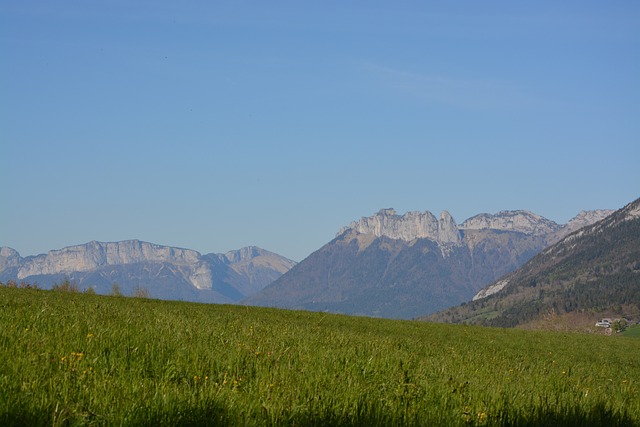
<point x="76" y="359"/>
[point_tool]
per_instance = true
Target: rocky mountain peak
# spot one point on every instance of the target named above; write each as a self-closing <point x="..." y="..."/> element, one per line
<point x="632" y="210"/>
<point x="387" y="212"/>
<point x="448" y="229"/>
<point x="255" y="256"/>
<point x="7" y="252"/>
<point x="412" y="225"/>
<point x="583" y="219"/>
<point x="243" y="254"/>
<point x="519" y="220"/>
<point x="9" y="258"/>
<point x="607" y="219"/>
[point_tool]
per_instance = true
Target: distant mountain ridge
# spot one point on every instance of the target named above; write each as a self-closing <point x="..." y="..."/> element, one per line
<point x="419" y="225"/>
<point x="402" y="266"/>
<point x="164" y="271"/>
<point x="522" y="221"/>
<point x="595" y="269"/>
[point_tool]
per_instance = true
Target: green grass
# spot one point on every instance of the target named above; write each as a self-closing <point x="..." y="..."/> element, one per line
<point x="633" y="331"/>
<point x="75" y="359"/>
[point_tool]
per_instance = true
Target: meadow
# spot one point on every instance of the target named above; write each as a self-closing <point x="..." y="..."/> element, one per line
<point x="77" y="359"/>
<point x="633" y="331"/>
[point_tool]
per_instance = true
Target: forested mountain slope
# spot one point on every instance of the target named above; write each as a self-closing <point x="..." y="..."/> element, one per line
<point x="593" y="270"/>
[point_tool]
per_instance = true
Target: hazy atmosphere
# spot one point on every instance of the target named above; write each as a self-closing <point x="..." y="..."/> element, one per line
<point x="217" y="125"/>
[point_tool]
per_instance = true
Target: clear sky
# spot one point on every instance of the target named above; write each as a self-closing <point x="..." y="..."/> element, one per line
<point x="214" y="125"/>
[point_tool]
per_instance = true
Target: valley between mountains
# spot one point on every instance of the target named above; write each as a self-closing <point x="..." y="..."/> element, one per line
<point x="384" y="265"/>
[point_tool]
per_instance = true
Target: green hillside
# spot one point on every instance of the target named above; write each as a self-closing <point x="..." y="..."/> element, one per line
<point x="593" y="273"/>
<point x="633" y="331"/>
<point x="76" y="359"/>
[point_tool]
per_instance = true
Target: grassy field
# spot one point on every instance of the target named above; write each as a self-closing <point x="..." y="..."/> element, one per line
<point x="633" y="331"/>
<point x="75" y="359"/>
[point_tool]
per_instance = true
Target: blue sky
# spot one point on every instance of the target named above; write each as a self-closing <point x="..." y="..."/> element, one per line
<point x="213" y="125"/>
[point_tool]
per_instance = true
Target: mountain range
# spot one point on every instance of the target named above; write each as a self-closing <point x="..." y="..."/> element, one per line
<point x="593" y="272"/>
<point x="403" y="266"/>
<point x="384" y="265"/>
<point x="162" y="271"/>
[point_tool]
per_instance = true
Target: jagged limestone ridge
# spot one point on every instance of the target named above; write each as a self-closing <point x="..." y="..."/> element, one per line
<point x="407" y="227"/>
<point x="417" y="225"/>
<point x="194" y="267"/>
<point x="518" y="220"/>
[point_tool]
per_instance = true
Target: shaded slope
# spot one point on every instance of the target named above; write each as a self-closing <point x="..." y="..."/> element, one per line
<point x="361" y="274"/>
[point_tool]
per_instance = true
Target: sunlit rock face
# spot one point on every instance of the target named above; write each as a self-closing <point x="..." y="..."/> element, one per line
<point x="407" y="227"/>
<point x="521" y="221"/>
<point x="94" y="254"/>
<point x="165" y="272"/>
